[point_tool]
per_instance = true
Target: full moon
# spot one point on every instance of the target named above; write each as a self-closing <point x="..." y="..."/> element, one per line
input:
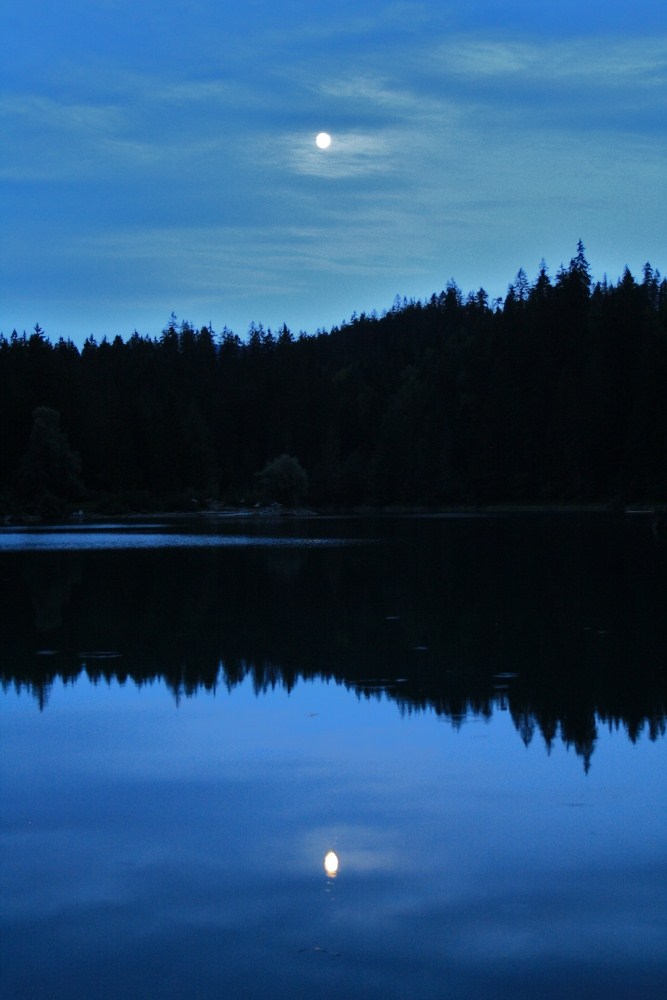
<point x="323" y="140"/>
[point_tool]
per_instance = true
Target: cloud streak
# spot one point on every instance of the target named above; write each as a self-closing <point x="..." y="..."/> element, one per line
<point x="612" y="63"/>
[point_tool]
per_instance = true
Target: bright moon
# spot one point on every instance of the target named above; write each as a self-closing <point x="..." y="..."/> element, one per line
<point x="323" y="140"/>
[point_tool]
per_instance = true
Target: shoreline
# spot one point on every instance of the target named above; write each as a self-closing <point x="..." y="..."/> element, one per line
<point x="280" y="512"/>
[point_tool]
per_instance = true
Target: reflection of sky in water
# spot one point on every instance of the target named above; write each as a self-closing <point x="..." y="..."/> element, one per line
<point x="72" y="540"/>
<point x="179" y="849"/>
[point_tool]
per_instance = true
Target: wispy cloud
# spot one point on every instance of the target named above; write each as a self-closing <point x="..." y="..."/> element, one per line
<point x="352" y="154"/>
<point x="610" y="62"/>
<point x="58" y="139"/>
<point x="368" y="88"/>
<point x="39" y="110"/>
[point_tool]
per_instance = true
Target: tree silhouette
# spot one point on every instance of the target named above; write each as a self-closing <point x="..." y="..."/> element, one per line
<point x="557" y="394"/>
<point x="49" y="467"/>
<point x="283" y="480"/>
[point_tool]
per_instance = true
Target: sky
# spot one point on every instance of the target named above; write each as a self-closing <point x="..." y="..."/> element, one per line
<point x="159" y="156"/>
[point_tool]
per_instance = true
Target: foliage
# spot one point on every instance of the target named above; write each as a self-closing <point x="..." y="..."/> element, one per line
<point x="556" y="394"/>
<point x="283" y="480"/>
<point x="49" y="470"/>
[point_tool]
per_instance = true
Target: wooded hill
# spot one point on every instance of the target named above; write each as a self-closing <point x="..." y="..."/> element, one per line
<point x="556" y="394"/>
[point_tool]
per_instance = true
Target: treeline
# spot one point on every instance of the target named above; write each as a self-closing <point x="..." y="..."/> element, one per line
<point x="556" y="394"/>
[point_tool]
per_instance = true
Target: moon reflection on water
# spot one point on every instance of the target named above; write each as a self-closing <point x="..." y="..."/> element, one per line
<point x="331" y="864"/>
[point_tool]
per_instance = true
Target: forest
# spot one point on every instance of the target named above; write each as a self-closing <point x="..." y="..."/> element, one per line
<point x="554" y="395"/>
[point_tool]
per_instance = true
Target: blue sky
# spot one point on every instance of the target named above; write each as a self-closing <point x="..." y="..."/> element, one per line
<point x="159" y="155"/>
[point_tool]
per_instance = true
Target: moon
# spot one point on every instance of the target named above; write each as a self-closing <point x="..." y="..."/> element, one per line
<point x="322" y="140"/>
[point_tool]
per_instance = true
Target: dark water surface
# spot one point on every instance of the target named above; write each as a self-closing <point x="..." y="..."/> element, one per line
<point x="469" y="711"/>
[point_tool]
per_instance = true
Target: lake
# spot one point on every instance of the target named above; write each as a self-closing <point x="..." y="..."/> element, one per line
<point x="464" y="715"/>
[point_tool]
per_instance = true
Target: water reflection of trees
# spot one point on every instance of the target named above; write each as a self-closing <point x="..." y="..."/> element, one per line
<point x="562" y="629"/>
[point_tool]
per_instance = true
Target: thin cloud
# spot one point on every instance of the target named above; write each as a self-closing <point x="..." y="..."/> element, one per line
<point x="352" y="154"/>
<point x="609" y="62"/>
<point x="375" y="91"/>
<point x="37" y="110"/>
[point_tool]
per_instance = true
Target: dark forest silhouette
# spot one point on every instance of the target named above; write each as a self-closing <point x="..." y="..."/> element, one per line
<point x="557" y="394"/>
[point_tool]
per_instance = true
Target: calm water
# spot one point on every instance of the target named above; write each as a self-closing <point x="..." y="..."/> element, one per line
<point x="470" y="712"/>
